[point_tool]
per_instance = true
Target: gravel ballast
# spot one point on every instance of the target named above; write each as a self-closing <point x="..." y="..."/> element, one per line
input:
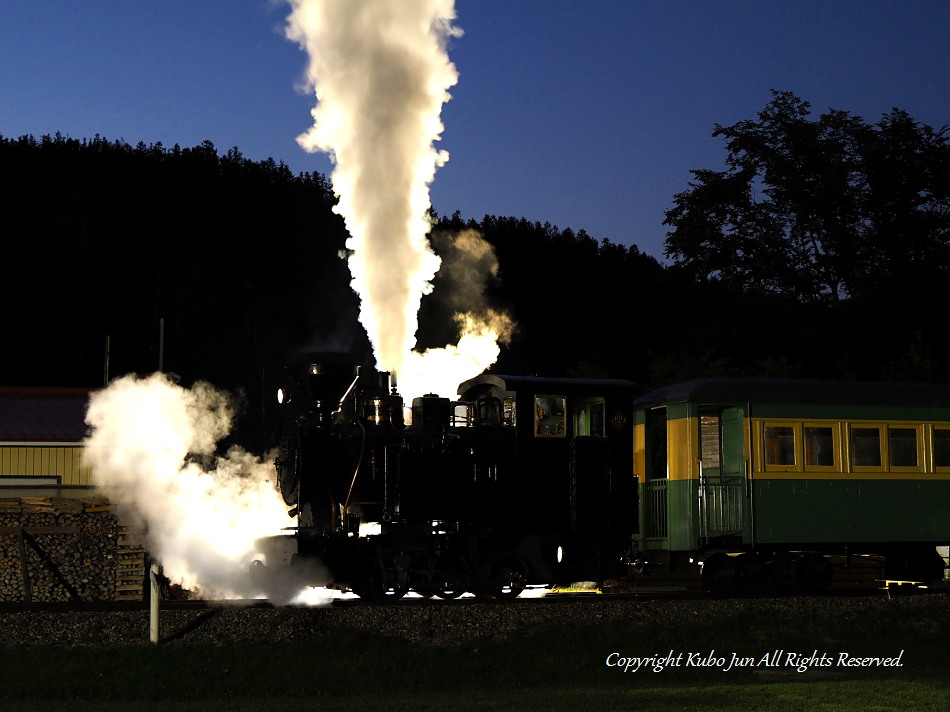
<point x="762" y="621"/>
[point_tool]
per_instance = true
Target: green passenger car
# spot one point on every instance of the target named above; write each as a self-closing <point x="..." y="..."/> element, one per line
<point x="758" y="480"/>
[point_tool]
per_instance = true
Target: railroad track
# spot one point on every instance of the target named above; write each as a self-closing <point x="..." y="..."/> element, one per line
<point x="419" y="601"/>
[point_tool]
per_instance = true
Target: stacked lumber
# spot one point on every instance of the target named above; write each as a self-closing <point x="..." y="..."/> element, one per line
<point x="130" y="563"/>
<point x="61" y="549"/>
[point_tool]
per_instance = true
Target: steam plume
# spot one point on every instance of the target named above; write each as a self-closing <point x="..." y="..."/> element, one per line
<point x="468" y="263"/>
<point x="380" y="73"/>
<point x="146" y="441"/>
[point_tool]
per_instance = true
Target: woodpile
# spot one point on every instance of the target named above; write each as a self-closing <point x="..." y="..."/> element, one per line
<point x="63" y="549"/>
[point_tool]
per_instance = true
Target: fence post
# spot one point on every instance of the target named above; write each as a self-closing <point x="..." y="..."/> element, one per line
<point x="154" y="596"/>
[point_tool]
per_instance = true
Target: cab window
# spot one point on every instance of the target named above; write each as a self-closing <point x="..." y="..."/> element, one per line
<point x="549" y="416"/>
<point x="590" y="417"/>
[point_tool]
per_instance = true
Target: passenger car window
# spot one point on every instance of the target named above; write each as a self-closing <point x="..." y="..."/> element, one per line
<point x="866" y="447"/>
<point x="941" y="447"/>
<point x="779" y="445"/>
<point x="902" y="447"/>
<point x="709" y="441"/>
<point x="819" y="446"/>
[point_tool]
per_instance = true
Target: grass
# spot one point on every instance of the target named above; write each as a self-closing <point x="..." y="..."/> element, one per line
<point x="545" y="670"/>
<point x="778" y="697"/>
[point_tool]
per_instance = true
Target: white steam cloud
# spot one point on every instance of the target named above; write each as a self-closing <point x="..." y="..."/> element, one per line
<point x="469" y="262"/>
<point x="381" y="73"/>
<point x="147" y="438"/>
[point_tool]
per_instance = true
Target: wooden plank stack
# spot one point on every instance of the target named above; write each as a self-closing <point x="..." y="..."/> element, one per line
<point x="62" y="549"/>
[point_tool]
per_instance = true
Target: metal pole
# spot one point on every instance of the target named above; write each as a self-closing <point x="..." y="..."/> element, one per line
<point x="161" y="345"/>
<point x="105" y="364"/>
<point x="154" y="596"/>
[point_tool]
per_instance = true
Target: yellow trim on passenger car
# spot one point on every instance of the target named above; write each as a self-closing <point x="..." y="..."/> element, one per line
<point x="683" y="448"/>
<point x="854" y="476"/>
<point x="640" y="451"/>
<point x="845" y="449"/>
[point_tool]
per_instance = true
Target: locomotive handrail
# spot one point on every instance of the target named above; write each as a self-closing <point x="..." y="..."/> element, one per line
<point x="347" y="393"/>
<point x="356" y="469"/>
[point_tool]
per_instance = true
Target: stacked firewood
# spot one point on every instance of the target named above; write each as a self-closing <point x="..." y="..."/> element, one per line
<point x="62" y="549"/>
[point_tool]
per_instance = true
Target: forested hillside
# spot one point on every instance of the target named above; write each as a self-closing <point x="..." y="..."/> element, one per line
<point x="224" y="267"/>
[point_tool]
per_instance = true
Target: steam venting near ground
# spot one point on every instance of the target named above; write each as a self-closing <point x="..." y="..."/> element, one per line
<point x="381" y="73"/>
<point x="151" y="447"/>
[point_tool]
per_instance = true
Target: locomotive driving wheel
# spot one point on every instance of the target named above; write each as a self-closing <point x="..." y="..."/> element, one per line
<point x="449" y="580"/>
<point x="371" y="588"/>
<point x="507" y="578"/>
<point x="454" y="584"/>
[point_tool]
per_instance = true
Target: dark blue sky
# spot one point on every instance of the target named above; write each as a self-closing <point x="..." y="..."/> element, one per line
<point x="586" y="115"/>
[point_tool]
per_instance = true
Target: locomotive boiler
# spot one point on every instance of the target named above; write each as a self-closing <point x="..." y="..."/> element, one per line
<point x="516" y="482"/>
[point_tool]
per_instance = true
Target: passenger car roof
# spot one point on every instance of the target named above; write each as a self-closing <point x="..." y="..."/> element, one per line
<point x="539" y="384"/>
<point x="794" y="391"/>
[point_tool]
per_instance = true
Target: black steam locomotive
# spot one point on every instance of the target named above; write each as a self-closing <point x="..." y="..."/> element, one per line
<point x="516" y="482"/>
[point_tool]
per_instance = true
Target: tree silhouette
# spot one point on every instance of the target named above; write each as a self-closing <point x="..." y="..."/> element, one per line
<point x="818" y="209"/>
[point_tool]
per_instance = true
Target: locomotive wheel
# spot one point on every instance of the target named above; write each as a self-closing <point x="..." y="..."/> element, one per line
<point x="371" y="589"/>
<point x="453" y="585"/>
<point x="454" y="582"/>
<point x="508" y="579"/>
<point x="448" y="592"/>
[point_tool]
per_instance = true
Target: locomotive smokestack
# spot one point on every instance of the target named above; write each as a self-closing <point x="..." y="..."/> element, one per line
<point x="382" y="405"/>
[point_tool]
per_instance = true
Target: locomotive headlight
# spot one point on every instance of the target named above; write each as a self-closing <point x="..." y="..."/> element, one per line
<point x="283" y="397"/>
<point x="560" y="554"/>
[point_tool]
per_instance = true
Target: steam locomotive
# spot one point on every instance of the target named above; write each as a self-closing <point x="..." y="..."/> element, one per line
<point x="517" y="482"/>
<point x="523" y="481"/>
